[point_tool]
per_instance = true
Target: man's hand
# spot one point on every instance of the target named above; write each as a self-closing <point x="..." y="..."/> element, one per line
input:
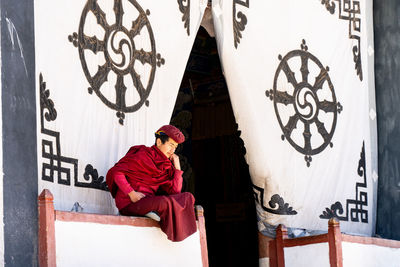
<point x="175" y="160"/>
<point x="136" y="196"/>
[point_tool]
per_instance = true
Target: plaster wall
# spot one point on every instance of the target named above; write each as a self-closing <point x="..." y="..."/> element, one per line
<point x="92" y="244"/>
<point x="307" y="256"/>
<point x="355" y="255"/>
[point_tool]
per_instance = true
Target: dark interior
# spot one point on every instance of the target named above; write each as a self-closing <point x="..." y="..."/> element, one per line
<point x="212" y="158"/>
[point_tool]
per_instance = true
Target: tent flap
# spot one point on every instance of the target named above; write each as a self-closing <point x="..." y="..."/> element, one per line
<point x="299" y="78"/>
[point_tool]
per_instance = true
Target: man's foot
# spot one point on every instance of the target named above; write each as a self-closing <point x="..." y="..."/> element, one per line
<point x="153" y="215"/>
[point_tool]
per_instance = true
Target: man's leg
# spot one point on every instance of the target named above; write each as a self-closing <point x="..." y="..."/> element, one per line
<point x="176" y="212"/>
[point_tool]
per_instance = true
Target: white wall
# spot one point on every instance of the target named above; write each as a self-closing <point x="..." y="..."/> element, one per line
<point x="92" y="244"/>
<point x="307" y="256"/>
<point x="355" y="255"/>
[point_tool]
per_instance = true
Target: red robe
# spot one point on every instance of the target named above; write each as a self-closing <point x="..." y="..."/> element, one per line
<point x="147" y="169"/>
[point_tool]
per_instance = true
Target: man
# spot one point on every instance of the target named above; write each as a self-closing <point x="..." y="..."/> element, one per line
<point x="149" y="179"/>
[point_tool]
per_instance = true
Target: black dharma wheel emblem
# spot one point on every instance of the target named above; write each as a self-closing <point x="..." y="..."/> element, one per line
<point x="120" y="54"/>
<point x="305" y="105"/>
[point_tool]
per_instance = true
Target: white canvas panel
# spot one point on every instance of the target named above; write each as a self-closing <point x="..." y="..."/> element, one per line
<point x="110" y="73"/>
<point x="300" y="79"/>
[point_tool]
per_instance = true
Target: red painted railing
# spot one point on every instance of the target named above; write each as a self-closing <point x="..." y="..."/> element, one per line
<point x="334" y="238"/>
<point x="47" y="217"/>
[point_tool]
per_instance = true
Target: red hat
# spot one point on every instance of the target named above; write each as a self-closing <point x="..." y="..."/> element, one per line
<point x="172" y="132"/>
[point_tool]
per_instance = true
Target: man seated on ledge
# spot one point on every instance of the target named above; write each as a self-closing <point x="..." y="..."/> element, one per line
<point x="149" y="179"/>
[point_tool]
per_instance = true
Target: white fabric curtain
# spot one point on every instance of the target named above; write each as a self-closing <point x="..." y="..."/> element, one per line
<point x="300" y="79"/>
<point x="108" y="73"/>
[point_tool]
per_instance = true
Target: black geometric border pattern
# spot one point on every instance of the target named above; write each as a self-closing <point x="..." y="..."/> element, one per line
<point x="277" y="204"/>
<point x="96" y="183"/>
<point x="56" y="162"/>
<point x="238" y="25"/>
<point x="185" y="10"/>
<point x="348" y="10"/>
<point x="357" y="212"/>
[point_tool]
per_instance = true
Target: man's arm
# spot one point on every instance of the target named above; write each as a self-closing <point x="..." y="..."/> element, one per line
<point x="126" y="188"/>
<point x="175" y="186"/>
<point x="136" y="196"/>
<point x="175" y="161"/>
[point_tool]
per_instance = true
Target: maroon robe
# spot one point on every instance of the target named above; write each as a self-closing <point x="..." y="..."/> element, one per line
<point x="147" y="169"/>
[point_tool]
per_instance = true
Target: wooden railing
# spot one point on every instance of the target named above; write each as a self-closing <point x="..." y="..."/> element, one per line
<point x="334" y="238"/>
<point x="48" y="215"/>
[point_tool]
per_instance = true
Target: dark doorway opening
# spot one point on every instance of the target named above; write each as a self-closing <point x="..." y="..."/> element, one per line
<point x="212" y="158"/>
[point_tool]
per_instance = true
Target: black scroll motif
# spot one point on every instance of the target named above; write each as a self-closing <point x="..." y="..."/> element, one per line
<point x="96" y="183"/>
<point x="350" y="10"/>
<point x="239" y="21"/>
<point x="64" y="167"/>
<point x="185" y="10"/>
<point x="277" y="204"/>
<point x="120" y="53"/>
<point x="355" y="206"/>
<point x="299" y="97"/>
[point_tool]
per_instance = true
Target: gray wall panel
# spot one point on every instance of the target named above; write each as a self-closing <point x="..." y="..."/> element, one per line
<point x="19" y="133"/>
<point x="387" y="80"/>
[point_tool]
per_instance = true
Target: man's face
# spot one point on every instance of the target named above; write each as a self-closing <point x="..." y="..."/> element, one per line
<point x="168" y="148"/>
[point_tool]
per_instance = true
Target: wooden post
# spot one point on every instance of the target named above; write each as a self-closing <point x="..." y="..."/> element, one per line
<point x="281" y="235"/>
<point x="335" y="243"/>
<point x="273" y="261"/>
<point x="203" y="237"/>
<point x="263" y="246"/>
<point x="47" y="244"/>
